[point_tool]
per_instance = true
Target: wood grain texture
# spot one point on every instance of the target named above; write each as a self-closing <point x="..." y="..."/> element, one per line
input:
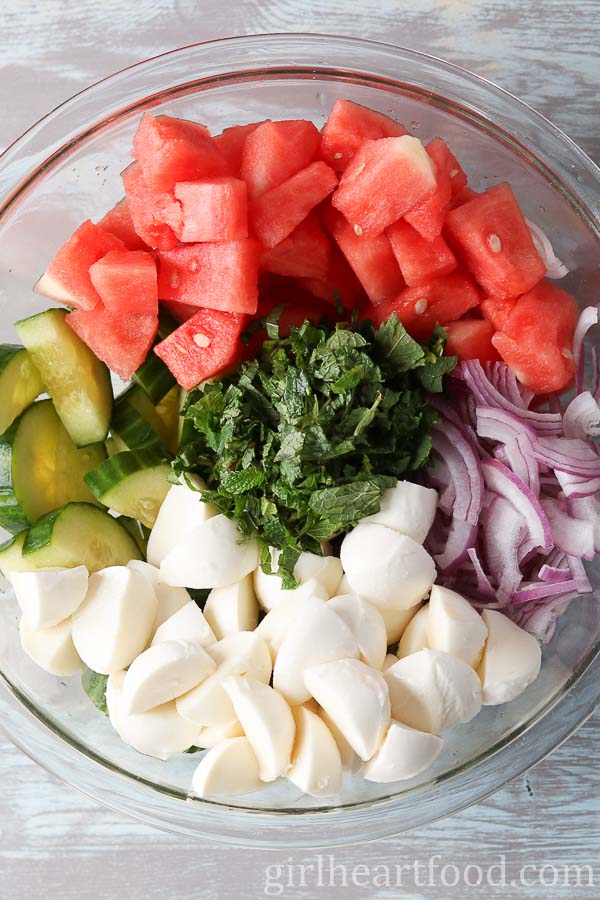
<point x="58" y="844"/>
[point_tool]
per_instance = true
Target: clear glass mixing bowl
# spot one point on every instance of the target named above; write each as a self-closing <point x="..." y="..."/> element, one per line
<point x="66" y="168"/>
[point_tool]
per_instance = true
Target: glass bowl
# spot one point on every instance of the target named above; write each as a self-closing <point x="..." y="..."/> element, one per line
<point x="66" y="168"/>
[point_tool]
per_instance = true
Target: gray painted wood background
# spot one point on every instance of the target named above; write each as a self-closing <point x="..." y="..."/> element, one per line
<point x="57" y="844"/>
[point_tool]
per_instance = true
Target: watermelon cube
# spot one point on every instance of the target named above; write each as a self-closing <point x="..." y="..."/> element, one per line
<point x="305" y="253"/>
<point x="348" y="127"/>
<point x="340" y="284"/>
<point x="541" y="368"/>
<point x="276" y="213"/>
<point x="445" y="161"/>
<point x="205" y="345"/>
<point x="67" y="278"/>
<point x="428" y="216"/>
<point x="419" y="259"/>
<point x="216" y="275"/>
<point x="155" y="214"/>
<point x="371" y="258"/>
<point x="171" y="150"/>
<point x="546" y="314"/>
<point x="126" y="281"/>
<point x="119" y="339"/>
<point x="384" y="180"/>
<point x="492" y="237"/>
<point x="275" y="151"/>
<point x="230" y="144"/>
<point x="497" y="311"/>
<point x="463" y="196"/>
<point x="471" y="339"/>
<point x="213" y="209"/>
<point x="119" y="223"/>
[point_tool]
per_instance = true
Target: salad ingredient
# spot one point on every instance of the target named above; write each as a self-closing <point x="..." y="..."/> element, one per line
<point x="267" y="721"/>
<point x="390" y="659"/>
<point x="471" y="339"/>
<point x="120" y="339"/>
<point x="364" y="721"/>
<point x="431" y="691"/>
<point x="454" y="626"/>
<point x="49" y="596"/>
<point x="297" y="602"/>
<point x="164" y="671"/>
<point x="408" y="508"/>
<point x="181" y="511"/>
<point x="419" y="259"/>
<point x="367" y="626"/>
<point x="326" y="569"/>
<point x="169" y="599"/>
<point x="415" y="636"/>
<point x="77" y="381"/>
<point x="232" y="608"/>
<point x="231" y="143"/>
<point x="188" y="623"/>
<point x="213" y="735"/>
<point x="445" y="161"/>
<point x="348" y="127"/>
<point x="386" y="567"/>
<point x="114" y="623"/>
<point x="510" y="662"/>
<point x="95" y="687"/>
<point x="154" y="378"/>
<point x="231" y="767"/>
<point x="134" y="483"/>
<point x="126" y="281"/>
<point x="213" y="209"/>
<point x="351" y="761"/>
<point x="119" y="223"/>
<point x="316" y="765"/>
<point x="427" y="216"/>
<point x="154" y="213"/>
<point x="315" y="575"/>
<point x="135" y="423"/>
<point x="396" y="621"/>
<point x="405" y="752"/>
<point x="274" y="151"/>
<point x="52" y="649"/>
<point x="555" y="268"/>
<point x="305" y="253"/>
<point x="20" y="383"/>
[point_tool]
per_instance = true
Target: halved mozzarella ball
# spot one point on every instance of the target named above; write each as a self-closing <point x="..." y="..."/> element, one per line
<point x="267" y="721"/>
<point x="396" y="621"/>
<point x="356" y="698"/>
<point x="212" y="555"/>
<point x="160" y="732"/>
<point x="187" y="624"/>
<point x="408" y="508"/>
<point x="345" y="586"/>
<point x="49" y="596"/>
<point x="230" y="768"/>
<point x="276" y="623"/>
<point x="454" y="626"/>
<point x="170" y="599"/>
<point x="212" y="735"/>
<point x="327" y="570"/>
<point x="415" y="635"/>
<point x="316" y="763"/>
<point x="386" y="567"/>
<point x="366" y="624"/>
<point x="511" y="659"/>
<point x="238" y="654"/>
<point x="51" y="648"/>
<point x="115" y="622"/>
<point x="318" y="635"/>
<point x="351" y="761"/>
<point x="404" y="753"/>
<point x="181" y="511"/>
<point x="310" y="569"/>
<point x="164" y="672"/>
<point x="390" y="659"/>
<point x="232" y="608"/>
<point x="431" y="690"/>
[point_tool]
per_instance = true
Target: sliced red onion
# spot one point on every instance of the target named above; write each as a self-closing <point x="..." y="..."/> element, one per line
<point x="579" y="575"/>
<point x="587" y="319"/>
<point x="484" y="587"/>
<point x="530" y="592"/>
<point x="502" y="481"/>
<point x="575" y="486"/>
<point x="460" y="537"/>
<point x="582" y="417"/>
<point x="595" y="385"/>
<point x="540" y="620"/>
<point x="555" y="268"/>
<point x="570" y="455"/>
<point x="553" y="575"/>
<point x="465" y="471"/>
<point x="502" y="555"/>
<point x="574" y="536"/>
<point x="588" y="509"/>
<point x="500" y="425"/>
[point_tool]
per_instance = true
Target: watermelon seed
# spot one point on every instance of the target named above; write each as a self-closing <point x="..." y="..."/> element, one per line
<point x="175" y="280"/>
<point x="453" y="173"/>
<point x="494" y="243"/>
<point x="567" y="353"/>
<point x="193" y="267"/>
<point x="421" y="306"/>
<point x="338" y="155"/>
<point x="201" y="340"/>
<point x="358" y="230"/>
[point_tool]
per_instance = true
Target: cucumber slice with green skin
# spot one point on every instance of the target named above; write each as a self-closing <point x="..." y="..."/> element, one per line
<point x="41" y="469"/>
<point x="78" y="383"/>
<point x="135" y="423"/>
<point x="11" y="554"/>
<point x="167" y="323"/>
<point x="20" y="383"/>
<point x="79" y="534"/>
<point x="138" y="532"/>
<point x="154" y="378"/>
<point x="133" y="483"/>
<point x="169" y="411"/>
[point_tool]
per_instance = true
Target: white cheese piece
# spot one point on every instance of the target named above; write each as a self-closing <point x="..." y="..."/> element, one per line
<point x="267" y="721"/>
<point x="230" y="768"/>
<point x="212" y="735"/>
<point x="51" y="648"/>
<point x="310" y="568"/>
<point x="351" y="761"/>
<point x="415" y="636"/>
<point x="366" y="624"/>
<point x="232" y="608"/>
<point x="114" y="623"/>
<point x="187" y="624"/>
<point x="170" y="599"/>
<point x="386" y="567"/>
<point x="405" y="752"/>
<point x="345" y="587"/>
<point x="276" y="623"/>
<point x="164" y="672"/>
<point x="431" y="691"/>
<point x="318" y="635"/>
<point x="408" y="508"/>
<point x="454" y="626"/>
<point x="181" y="511"/>
<point x="396" y="621"/>
<point x="390" y="659"/>
<point x="327" y="570"/>
<point x="211" y="555"/>
<point x="49" y="596"/>
<point x="316" y="763"/>
<point x="511" y="659"/>
<point x="356" y="698"/>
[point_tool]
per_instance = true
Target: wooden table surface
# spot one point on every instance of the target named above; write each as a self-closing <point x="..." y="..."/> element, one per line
<point x="56" y="843"/>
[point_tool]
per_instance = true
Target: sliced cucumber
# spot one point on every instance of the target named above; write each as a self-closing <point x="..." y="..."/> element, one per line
<point x="11" y="554"/>
<point x="138" y="532"/>
<point x="169" y="409"/>
<point x="167" y="324"/>
<point x="78" y="383"/>
<point x="154" y="378"/>
<point x="133" y="483"/>
<point x="20" y="383"/>
<point x="79" y="534"/>
<point x="41" y="468"/>
<point x="135" y="423"/>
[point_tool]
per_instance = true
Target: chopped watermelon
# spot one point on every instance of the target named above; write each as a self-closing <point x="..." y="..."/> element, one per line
<point x="428" y="216"/>
<point x="384" y="180"/>
<point x="275" y="214"/>
<point x="445" y="161"/>
<point x="171" y="150"/>
<point x="213" y="209"/>
<point x="419" y="259"/>
<point x="497" y="311"/>
<point x="305" y="253"/>
<point x="348" y="127"/>
<point x="492" y="237"/>
<point x="340" y="284"/>
<point x="119" y="223"/>
<point x="67" y="278"/>
<point x="126" y="281"/>
<point x="371" y="258"/>
<point x="121" y="340"/>
<point x="471" y="339"/>
<point x="205" y="345"/>
<point x="463" y="196"/>
<point x="154" y="214"/>
<point x="216" y="275"/>
<point x="542" y="368"/>
<point x="275" y="151"/>
<point x="230" y="144"/>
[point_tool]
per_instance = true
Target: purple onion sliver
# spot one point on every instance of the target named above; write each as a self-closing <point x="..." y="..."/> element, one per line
<point x="582" y="417"/>
<point x="529" y="592"/>
<point x="579" y="576"/>
<point x="460" y="537"/>
<point x="554" y="575"/>
<point x="500" y="479"/>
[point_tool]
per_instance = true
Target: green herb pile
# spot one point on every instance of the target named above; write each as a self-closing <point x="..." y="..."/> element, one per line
<point x="300" y="443"/>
